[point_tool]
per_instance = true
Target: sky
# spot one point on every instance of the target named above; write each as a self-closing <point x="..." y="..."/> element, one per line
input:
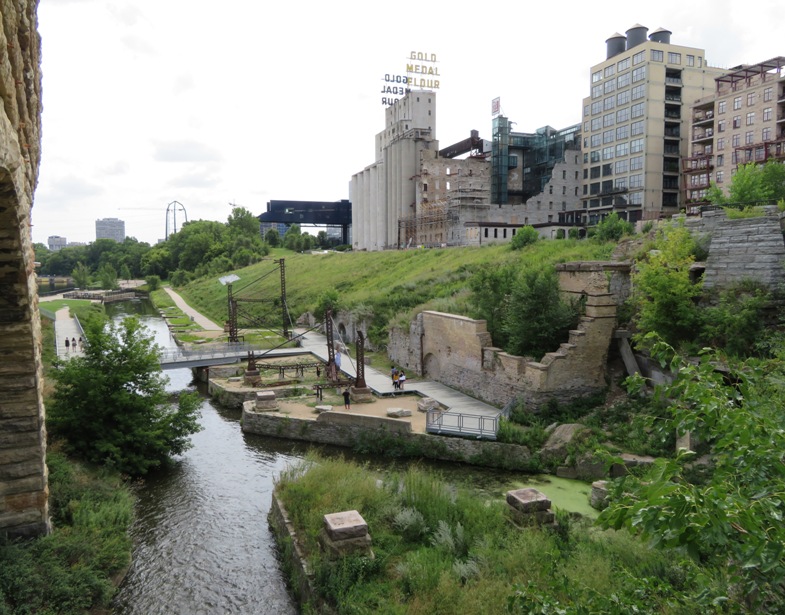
<point x="235" y="103"/>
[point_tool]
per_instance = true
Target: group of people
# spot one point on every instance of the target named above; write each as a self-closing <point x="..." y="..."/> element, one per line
<point x="398" y="378"/>
<point x="71" y="344"/>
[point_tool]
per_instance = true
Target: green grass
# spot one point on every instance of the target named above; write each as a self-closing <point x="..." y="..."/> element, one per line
<point x="444" y="549"/>
<point x="391" y="283"/>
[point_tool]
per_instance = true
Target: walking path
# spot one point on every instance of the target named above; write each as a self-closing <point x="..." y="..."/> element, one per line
<point x="67" y="328"/>
<point x="201" y="320"/>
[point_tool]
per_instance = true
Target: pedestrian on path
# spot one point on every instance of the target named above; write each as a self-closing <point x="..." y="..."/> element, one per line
<point x="81" y="343"/>
<point x="67" y="346"/>
<point x="347" y="402"/>
<point x="401" y="380"/>
<point x="73" y="343"/>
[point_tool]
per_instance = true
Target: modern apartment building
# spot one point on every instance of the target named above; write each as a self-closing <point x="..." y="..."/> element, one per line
<point x="741" y="121"/>
<point x="636" y="124"/>
<point x="110" y="228"/>
<point x="56" y="242"/>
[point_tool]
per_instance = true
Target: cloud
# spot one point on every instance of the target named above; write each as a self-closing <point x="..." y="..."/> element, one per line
<point x="196" y="177"/>
<point x="185" y="151"/>
<point x="183" y="83"/>
<point x="120" y="167"/>
<point x="70" y="188"/>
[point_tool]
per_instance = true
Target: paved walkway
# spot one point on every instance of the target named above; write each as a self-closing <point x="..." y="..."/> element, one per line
<point x="201" y="320"/>
<point x="67" y="328"/>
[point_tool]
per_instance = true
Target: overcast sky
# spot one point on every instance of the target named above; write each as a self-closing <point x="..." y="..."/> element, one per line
<point x="240" y="102"/>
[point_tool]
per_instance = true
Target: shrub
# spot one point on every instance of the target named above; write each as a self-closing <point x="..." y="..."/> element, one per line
<point x="525" y="236"/>
<point x="153" y="282"/>
<point x="613" y="228"/>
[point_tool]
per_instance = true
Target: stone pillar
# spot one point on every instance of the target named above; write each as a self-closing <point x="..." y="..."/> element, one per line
<point x="23" y="474"/>
<point x="345" y="533"/>
<point x="530" y="507"/>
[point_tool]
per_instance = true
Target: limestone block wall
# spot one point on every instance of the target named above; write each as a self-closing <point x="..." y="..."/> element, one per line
<point x="23" y="474"/>
<point x="457" y="351"/>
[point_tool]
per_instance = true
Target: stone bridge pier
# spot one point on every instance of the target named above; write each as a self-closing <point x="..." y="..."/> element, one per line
<point x="23" y="475"/>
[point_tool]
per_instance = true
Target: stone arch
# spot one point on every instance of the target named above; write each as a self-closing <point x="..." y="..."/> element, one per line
<point x="342" y="332"/>
<point x="431" y="367"/>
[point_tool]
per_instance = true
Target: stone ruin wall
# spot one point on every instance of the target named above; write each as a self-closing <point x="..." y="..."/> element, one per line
<point x="457" y="351"/>
<point x="742" y="249"/>
<point x="23" y="474"/>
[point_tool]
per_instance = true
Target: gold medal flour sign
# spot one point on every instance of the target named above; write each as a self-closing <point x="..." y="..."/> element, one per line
<point x="421" y="72"/>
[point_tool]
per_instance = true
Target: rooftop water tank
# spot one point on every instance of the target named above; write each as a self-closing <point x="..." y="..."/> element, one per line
<point x="636" y="35"/>
<point x="616" y="44"/>
<point x="661" y="35"/>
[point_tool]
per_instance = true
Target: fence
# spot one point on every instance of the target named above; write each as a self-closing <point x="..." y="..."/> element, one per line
<point x="478" y="426"/>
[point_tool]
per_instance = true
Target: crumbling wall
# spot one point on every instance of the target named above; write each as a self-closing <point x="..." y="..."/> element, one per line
<point x="23" y="474"/>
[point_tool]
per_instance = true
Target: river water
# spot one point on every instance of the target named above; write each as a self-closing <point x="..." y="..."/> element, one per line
<point x="202" y="544"/>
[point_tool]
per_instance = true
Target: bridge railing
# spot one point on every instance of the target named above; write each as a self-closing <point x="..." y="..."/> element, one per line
<point x="479" y="426"/>
<point x="212" y="351"/>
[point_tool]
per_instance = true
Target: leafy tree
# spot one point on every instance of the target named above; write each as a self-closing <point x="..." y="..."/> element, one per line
<point x="125" y="272"/>
<point x="107" y="277"/>
<point x="111" y="405"/>
<point x="664" y="294"/>
<point x="291" y="237"/>
<point x="328" y="300"/>
<point x="752" y="183"/>
<point x="490" y="287"/>
<point x="732" y="519"/>
<point x="153" y="282"/>
<point x="272" y="237"/>
<point x="157" y="261"/>
<point x="81" y="276"/>
<point x="242" y="222"/>
<point x="538" y="320"/>
<point x="524" y="237"/>
<point x="613" y="228"/>
<point x="322" y="240"/>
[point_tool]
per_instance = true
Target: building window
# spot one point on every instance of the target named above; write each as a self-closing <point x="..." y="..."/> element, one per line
<point x="636" y="163"/>
<point x="608" y="119"/>
<point x="736" y="140"/>
<point x="504" y="234"/>
<point x="447" y="184"/>
<point x="721" y="106"/>
<point x="733" y="159"/>
<point x="750" y="99"/>
<point x="607" y="153"/>
<point x="737" y="103"/>
<point x="720" y="176"/>
<point x="767" y="114"/>
<point x="595" y="77"/>
<point x="636" y="145"/>
<point x="585" y="110"/>
<point x="637" y="110"/>
<point x="621" y="182"/>
<point x="595" y="156"/>
<point x="622" y="98"/>
<point x="636" y="128"/>
<point x="622" y="115"/>
<point x="596" y="139"/>
<point x="674" y="58"/>
<point x="596" y="107"/>
<point x="609" y="103"/>
<point x="766" y="134"/>
<point x="564" y="189"/>
<point x="620" y="167"/>
<point x="636" y="181"/>
<point x="639" y="74"/>
<point x="767" y="94"/>
<point x="656" y="55"/>
<point x="748" y="137"/>
<point x="721" y="143"/>
<point x="609" y="86"/>
<point x="639" y="91"/>
<point x="550" y="189"/>
<point x="721" y="126"/>
<point x="610" y="70"/>
<point x="596" y="123"/>
<point x="623" y="81"/>
<point x="622" y="132"/>
<point x="425" y="187"/>
<point x="690" y="60"/>
<point x="622" y="149"/>
<point x="720" y="160"/>
<point x="737" y="121"/>
<point x="623" y="64"/>
<point x="564" y="174"/>
<point x="486" y="232"/>
<point x="638" y="58"/>
<point x="750" y="118"/>
<point x="596" y="91"/>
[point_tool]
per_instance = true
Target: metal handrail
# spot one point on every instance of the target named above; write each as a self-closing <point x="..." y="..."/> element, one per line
<point x="465" y="424"/>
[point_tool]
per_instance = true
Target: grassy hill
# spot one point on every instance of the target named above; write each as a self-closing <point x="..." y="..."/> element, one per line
<point x="390" y="284"/>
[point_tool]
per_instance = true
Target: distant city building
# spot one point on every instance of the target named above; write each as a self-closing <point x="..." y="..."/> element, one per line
<point x="55" y="242"/>
<point x="110" y="228"/>
<point x="634" y="130"/>
<point x="281" y="227"/>
<point x="740" y="122"/>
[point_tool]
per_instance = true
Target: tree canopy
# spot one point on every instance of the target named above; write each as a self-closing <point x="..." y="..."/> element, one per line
<point x="111" y="405"/>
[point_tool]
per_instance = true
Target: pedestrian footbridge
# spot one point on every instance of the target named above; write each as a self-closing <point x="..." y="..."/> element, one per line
<point x="219" y="354"/>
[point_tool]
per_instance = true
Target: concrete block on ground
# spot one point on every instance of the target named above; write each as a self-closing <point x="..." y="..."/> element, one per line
<point x="343" y="525"/>
<point x="398" y="412"/>
<point x="265" y="400"/>
<point x="528" y="500"/>
<point x="427" y="403"/>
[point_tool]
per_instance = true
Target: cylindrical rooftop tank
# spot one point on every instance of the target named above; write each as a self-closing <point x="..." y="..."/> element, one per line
<point x="661" y="35"/>
<point x="616" y="44"/>
<point x="636" y="35"/>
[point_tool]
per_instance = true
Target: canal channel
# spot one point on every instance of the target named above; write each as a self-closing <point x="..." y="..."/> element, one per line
<point x="202" y="544"/>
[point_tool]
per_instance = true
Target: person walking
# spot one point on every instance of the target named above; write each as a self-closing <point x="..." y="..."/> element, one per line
<point x="73" y="343"/>
<point x="67" y="346"/>
<point x="401" y="380"/>
<point x="393" y="374"/>
<point x="396" y="380"/>
<point x="347" y="402"/>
